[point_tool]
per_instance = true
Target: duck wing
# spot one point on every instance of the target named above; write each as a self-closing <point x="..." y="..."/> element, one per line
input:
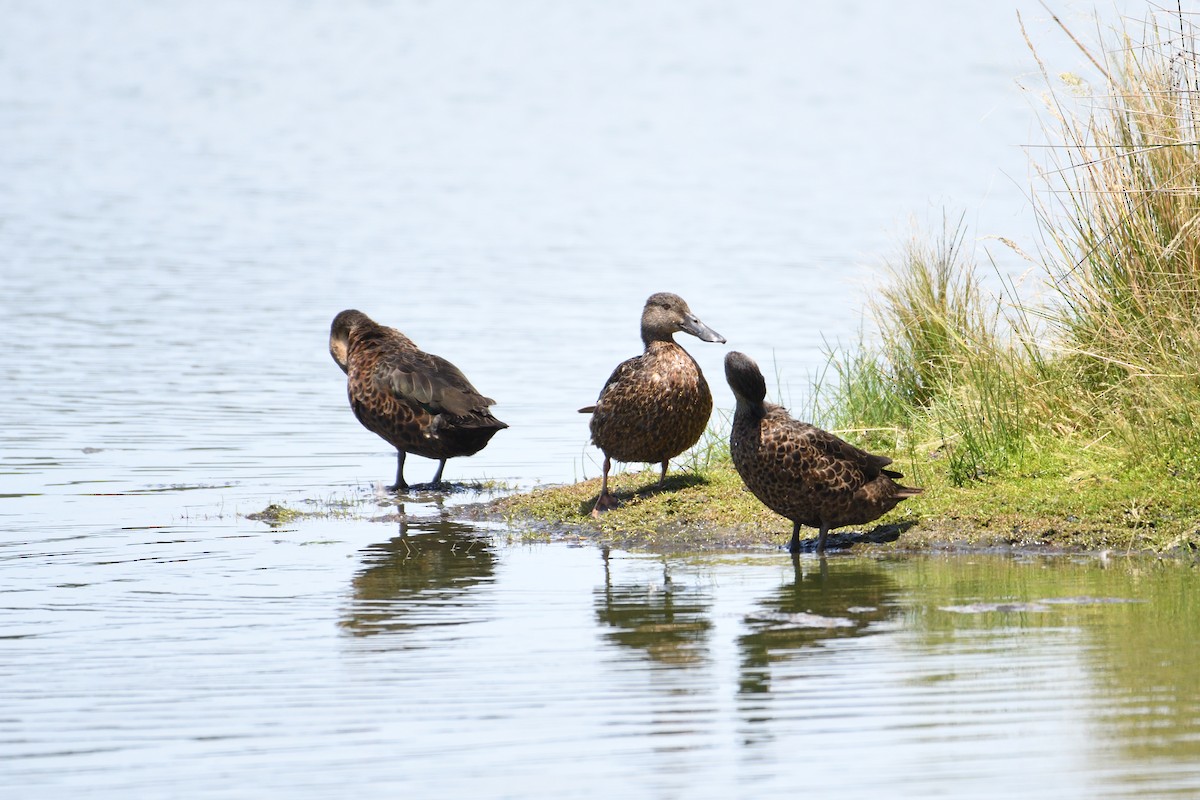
<point x="832" y="450"/>
<point x="622" y="380"/>
<point x="431" y="382"/>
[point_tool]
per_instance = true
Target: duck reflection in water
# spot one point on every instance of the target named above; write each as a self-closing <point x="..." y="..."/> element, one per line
<point x="423" y="577"/>
<point x="821" y="604"/>
<point x="670" y="622"/>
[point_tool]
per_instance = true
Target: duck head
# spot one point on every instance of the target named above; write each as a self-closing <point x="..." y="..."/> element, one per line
<point x="745" y="379"/>
<point x="339" y="335"/>
<point x="666" y="314"/>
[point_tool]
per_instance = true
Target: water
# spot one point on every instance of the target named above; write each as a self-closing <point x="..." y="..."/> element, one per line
<point x="189" y="194"/>
<point x="448" y="661"/>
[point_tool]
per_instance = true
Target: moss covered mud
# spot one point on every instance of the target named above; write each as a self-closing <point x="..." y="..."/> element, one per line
<point x="369" y="503"/>
<point x="712" y="509"/>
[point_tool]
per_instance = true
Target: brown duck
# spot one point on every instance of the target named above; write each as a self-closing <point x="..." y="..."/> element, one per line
<point x="798" y="470"/>
<point x="416" y="401"/>
<point x="656" y="405"/>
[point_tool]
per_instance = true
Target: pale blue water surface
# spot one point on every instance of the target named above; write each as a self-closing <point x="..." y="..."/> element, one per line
<point x="190" y="191"/>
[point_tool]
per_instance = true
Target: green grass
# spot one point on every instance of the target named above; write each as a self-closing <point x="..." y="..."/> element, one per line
<point x="1001" y="402"/>
<point x="694" y="510"/>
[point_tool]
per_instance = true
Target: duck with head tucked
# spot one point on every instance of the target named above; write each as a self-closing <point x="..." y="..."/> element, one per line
<point x="798" y="470"/>
<point x="417" y="402"/>
<point x="656" y="405"/>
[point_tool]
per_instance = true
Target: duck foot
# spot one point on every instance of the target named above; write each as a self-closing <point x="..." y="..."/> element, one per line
<point x="605" y="502"/>
<point x="814" y="546"/>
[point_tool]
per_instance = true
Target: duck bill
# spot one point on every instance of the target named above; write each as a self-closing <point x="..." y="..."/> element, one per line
<point x="701" y="331"/>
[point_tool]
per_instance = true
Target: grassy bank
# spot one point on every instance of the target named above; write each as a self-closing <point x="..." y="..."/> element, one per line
<point x="711" y="509"/>
<point x="1063" y="409"/>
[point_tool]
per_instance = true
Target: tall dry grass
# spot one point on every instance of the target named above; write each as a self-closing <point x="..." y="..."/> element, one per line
<point x="1119" y="204"/>
<point x="1109" y="357"/>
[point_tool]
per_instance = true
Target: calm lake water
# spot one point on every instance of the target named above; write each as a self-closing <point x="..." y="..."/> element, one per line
<point x="190" y="191"/>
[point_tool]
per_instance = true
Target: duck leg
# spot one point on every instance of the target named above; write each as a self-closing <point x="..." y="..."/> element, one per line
<point x="437" y="476"/>
<point x="400" y="484"/>
<point x="821" y="540"/>
<point x="605" y="502"/>
<point x="794" y="544"/>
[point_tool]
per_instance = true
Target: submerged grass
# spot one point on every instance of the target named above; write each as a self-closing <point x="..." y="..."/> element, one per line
<point x="369" y="503"/>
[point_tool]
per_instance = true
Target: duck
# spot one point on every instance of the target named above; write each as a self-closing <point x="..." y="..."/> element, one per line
<point x="656" y="405"/>
<point x="797" y="470"/>
<point x="415" y="401"/>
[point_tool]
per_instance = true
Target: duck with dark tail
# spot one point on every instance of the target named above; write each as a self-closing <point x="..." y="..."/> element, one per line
<point x="415" y="401"/>
<point x="798" y="470"/>
<point x="656" y="405"/>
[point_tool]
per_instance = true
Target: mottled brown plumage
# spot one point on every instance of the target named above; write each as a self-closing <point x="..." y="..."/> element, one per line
<point x="656" y="405"/>
<point x="417" y="402"/>
<point x="798" y="470"/>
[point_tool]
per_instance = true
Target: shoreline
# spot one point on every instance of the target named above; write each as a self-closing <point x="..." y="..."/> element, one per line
<point x="712" y="510"/>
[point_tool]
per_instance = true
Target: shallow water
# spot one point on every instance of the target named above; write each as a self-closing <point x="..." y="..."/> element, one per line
<point x="190" y="193"/>
<point x="446" y="660"/>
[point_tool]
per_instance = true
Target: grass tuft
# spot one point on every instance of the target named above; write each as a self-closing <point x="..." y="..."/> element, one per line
<point x="1100" y="373"/>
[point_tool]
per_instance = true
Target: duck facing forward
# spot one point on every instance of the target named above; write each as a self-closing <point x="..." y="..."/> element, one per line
<point x="417" y="402"/>
<point x="656" y="405"/>
<point x="798" y="470"/>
